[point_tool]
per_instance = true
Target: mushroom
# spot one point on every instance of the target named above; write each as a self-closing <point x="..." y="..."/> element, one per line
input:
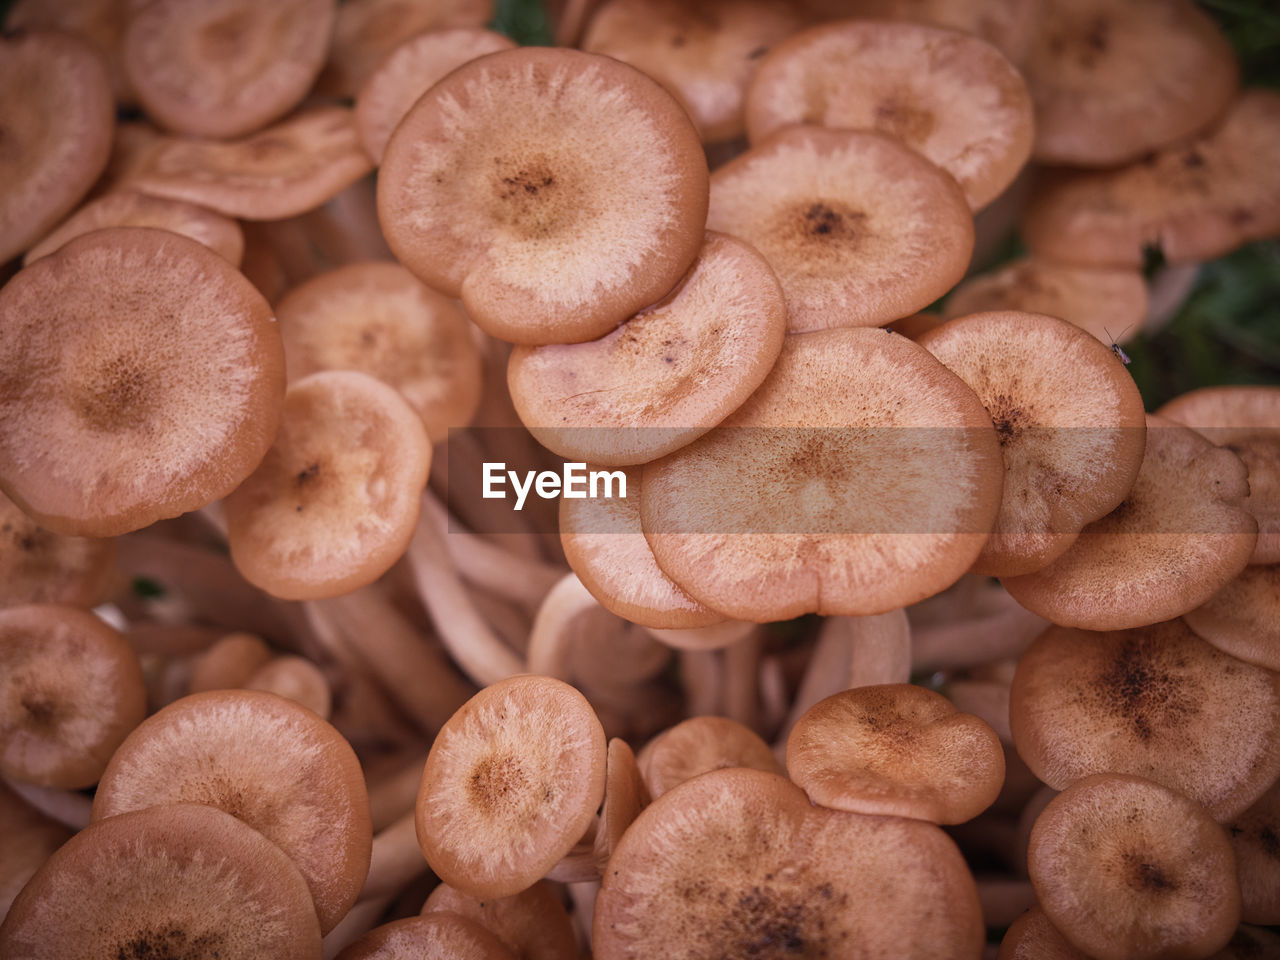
<point x="1034" y="937"/>
<point x="697" y="745"/>
<point x="1243" y="618"/>
<point x="100" y="22"/>
<point x="297" y="679"/>
<point x="39" y="566"/>
<point x="30" y="839"/>
<point x="435" y="936"/>
<point x="532" y="924"/>
<point x="1255" y="837"/>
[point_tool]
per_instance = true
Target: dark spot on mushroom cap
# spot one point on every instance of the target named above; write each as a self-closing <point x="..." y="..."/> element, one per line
<point x="1137" y="686"/>
<point x="1270" y="842"/>
<point x="40" y="710"/>
<point x="307" y="474"/>
<point x="764" y="922"/>
<point x="1148" y="877"/>
<point x="171" y="944"/>
<point x="117" y="396"/>
<point x="757" y="53"/>
<point x="494" y="779"/>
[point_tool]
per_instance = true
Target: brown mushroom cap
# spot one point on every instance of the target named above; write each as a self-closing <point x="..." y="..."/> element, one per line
<point x="1034" y="937"/>
<point x="220" y="234"/>
<point x="39" y="566"/>
<point x="1255" y="837"/>
<point x="737" y="863"/>
<point x="1243" y="618"/>
<point x="1194" y="201"/>
<point x="625" y="795"/>
<point x="665" y="376"/>
<point x="895" y="749"/>
<point x="99" y="22"/>
<point x="1127" y="870"/>
<point x="1178" y="538"/>
<point x="1071" y="425"/>
<point x="1110" y="303"/>
<point x="30" y="838"/>
<point x="589" y="204"/>
<point x="224" y="68"/>
<point x="71" y="689"/>
<point x="862" y="476"/>
<point x="859" y="229"/>
<point x="408" y="72"/>
<point x="58" y="116"/>
<point x="1114" y="81"/>
<point x="182" y="880"/>
<point x="1246" y="420"/>
<point x="335" y="501"/>
<point x="532" y="924"/>
<point x="282" y="171"/>
<point x="435" y="936"/>
<point x="297" y="679"/>
<point x="950" y="96"/>
<point x="265" y="760"/>
<point x="142" y="379"/>
<point x="379" y="319"/>
<point x="1157" y="702"/>
<point x="228" y="663"/>
<point x="704" y="54"/>
<point x="512" y="782"/>
<point x="700" y="744"/>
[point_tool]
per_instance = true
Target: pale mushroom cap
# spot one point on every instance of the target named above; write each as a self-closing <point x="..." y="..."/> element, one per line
<point x="297" y="679"/>
<point x="39" y="566"/>
<point x="666" y="375"/>
<point x="1157" y="702"/>
<point x="700" y="744"/>
<point x="434" y="936"/>
<point x="184" y="880"/>
<point x="860" y="229"/>
<point x="1255" y="837"/>
<point x="228" y="663"/>
<point x="1114" y="81"/>
<point x="1243" y="618"/>
<point x="779" y="511"/>
<point x="100" y="22"/>
<point x="265" y="760"/>
<point x="590" y="202"/>
<point x="1127" y="869"/>
<point x="1034" y="937"/>
<point x="533" y="923"/>
<point x="950" y="96"/>
<point x="58" y="115"/>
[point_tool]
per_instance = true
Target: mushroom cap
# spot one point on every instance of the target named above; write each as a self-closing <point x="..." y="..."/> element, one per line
<point x="1034" y="937"/>
<point x="297" y="679"/>
<point x="228" y="663"/>
<point x="1157" y="702"/>
<point x="409" y="71"/>
<point x="1110" y="303"/>
<point x="589" y="204"/>
<point x="336" y="499"/>
<point x="705" y="54"/>
<point x="1195" y="200"/>
<point x="737" y="863"/>
<point x="71" y="689"/>
<point x="224" y="68"/>
<point x="281" y="171"/>
<point x="379" y="319"/>
<point x="625" y="795"/>
<point x="606" y="547"/>
<point x="1178" y="538"/>
<point x="533" y="923"/>
<point x="434" y="936"/>
<point x="512" y="782"/>
<point x="265" y="760"/>
<point x="126" y="209"/>
<point x="177" y="880"/>
<point x="1127" y="870"/>
<point x="665" y="376"/>
<point x="1246" y="420"/>
<point x="30" y="838"/>
<point x="895" y="749"/>
<point x="58" y="121"/>
<point x="950" y="96"/>
<point x="860" y="229"/>
<point x="99" y="22"/>
<point x="1071" y="425"/>
<point x="860" y="477"/>
<point x="142" y="377"/>
<point x="700" y="744"/>
<point x="1243" y="618"/>
<point x="1255" y="837"/>
<point x="39" y="566"/>
<point x="1114" y="81"/>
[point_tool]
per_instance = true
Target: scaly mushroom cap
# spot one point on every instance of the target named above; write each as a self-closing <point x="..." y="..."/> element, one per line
<point x="141" y="377"/>
<point x="705" y="54"/>
<point x="335" y="501"/>
<point x="737" y="863"/>
<point x="860" y="229"/>
<point x="698" y="745"/>
<point x="1157" y="702"/>
<point x="1129" y="870"/>
<point x="1255" y="837"/>
<point x="1178" y="538"/>
<point x="512" y="782"/>
<point x="1071" y="425"/>
<point x="862" y="476"/>
<point x="379" y="319"/>
<point x="1194" y="201"/>
<point x="39" y="566"/>
<point x="224" y="68"/>
<point x="434" y="936"/>
<point x="895" y="749"/>
<point x="1114" y="81"/>
<point x="71" y="689"/>
<point x="556" y="192"/>
<point x="1109" y="303"/>
<point x="266" y="761"/>
<point x="665" y="376"/>
<point x="533" y="923"/>
<point x="1243" y="618"/>
<point x="173" y="881"/>
<point x="282" y="171"/>
<point x="949" y="96"/>
<point x="1034" y="937"/>
<point x="57" y="126"/>
<point x="220" y="234"/>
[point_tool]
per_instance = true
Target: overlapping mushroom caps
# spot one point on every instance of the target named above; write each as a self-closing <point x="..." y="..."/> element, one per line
<point x="533" y="924"/>
<point x="39" y="566"/>
<point x="141" y="376"/>
<point x="439" y="935"/>
<point x="556" y="192"/>
<point x="698" y="745"/>
<point x="1243" y="618"/>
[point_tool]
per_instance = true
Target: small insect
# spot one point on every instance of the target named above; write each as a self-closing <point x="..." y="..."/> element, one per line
<point x="1116" y="348"/>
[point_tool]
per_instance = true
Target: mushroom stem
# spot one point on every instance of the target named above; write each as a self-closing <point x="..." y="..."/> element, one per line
<point x="361" y="918"/>
<point x="773" y="693"/>
<point x="702" y="673"/>
<point x="1004" y="899"/>
<point x="396" y="859"/>
<point x="68" y="807"/>
<point x="550" y="640"/>
<point x="986" y="699"/>
<point x="741" y="693"/>
<point x="583" y="896"/>
<point x="949" y="646"/>
<point x="1167" y="292"/>
<point x="393" y="796"/>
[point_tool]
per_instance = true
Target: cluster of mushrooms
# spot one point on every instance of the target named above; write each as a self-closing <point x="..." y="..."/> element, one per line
<point x="277" y="679"/>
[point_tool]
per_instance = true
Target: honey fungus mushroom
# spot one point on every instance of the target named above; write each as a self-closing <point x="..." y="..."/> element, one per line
<point x="533" y="924"/>
<point x="556" y="192"/>
<point x="39" y="566"/>
<point x="698" y="745"/>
